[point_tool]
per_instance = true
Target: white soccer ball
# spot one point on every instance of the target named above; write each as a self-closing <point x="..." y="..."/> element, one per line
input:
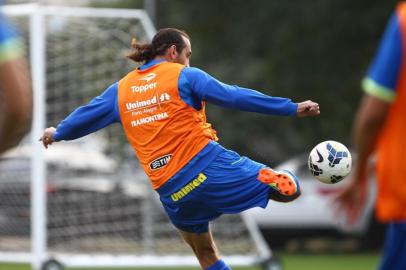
<point x="330" y="162"/>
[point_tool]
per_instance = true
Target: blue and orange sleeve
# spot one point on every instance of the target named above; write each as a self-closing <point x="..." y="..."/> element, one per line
<point x="383" y="74"/>
<point x="97" y="114"/>
<point x="196" y="85"/>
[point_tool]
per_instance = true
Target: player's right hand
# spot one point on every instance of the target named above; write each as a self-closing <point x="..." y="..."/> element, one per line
<point x="307" y="108"/>
<point x="48" y="137"/>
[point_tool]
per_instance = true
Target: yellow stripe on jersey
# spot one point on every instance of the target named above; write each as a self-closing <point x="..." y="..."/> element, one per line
<point x="377" y="90"/>
<point x="11" y="49"/>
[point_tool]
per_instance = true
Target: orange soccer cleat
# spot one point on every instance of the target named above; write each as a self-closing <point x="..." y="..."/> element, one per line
<point x="285" y="185"/>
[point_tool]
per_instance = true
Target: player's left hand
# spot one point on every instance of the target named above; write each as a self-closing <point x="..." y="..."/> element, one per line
<point x="307" y="108"/>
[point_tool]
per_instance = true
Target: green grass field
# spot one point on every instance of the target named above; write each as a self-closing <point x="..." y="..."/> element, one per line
<point x="290" y="262"/>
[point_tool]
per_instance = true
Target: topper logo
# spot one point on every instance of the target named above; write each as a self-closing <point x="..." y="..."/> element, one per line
<point x="148" y="77"/>
<point x="143" y="88"/>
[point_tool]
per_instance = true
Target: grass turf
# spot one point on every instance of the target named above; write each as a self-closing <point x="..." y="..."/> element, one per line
<point x="289" y="261"/>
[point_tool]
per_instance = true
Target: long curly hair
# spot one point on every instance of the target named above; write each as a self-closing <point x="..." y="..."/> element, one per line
<point x="160" y="43"/>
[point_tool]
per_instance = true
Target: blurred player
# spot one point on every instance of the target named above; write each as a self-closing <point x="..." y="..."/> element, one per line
<point x="161" y="106"/>
<point x="380" y="127"/>
<point x="15" y="88"/>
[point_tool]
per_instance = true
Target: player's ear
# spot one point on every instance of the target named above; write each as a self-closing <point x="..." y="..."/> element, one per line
<point x="172" y="52"/>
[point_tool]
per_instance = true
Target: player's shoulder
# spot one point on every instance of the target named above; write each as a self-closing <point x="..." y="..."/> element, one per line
<point x="7" y="30"/>
<point x="193" y="74"/>
<point x="192" y="70"/>
<point x="401" y="9"/>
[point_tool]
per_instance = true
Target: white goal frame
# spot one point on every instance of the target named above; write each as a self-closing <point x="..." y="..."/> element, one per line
<point x="39" y="252"/>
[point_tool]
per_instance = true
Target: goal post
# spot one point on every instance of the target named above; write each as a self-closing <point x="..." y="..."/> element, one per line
<point x="89" y="203"/>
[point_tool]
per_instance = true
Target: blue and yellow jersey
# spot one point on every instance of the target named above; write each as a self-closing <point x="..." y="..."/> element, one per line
<point x="386" y="80"/>
<point x="187" y="92"/>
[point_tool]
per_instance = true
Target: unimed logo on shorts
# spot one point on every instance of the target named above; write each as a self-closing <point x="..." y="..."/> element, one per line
<point x="186" y="189"/>
<point x="160" y="162"/>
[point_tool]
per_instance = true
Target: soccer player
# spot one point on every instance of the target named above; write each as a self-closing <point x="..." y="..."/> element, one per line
<point x="15" y="88"/>
<point x="161" y="107"/>
<point x="380" y="127"/>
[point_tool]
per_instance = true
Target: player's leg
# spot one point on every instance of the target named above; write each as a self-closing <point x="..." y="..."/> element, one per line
<point x="205" y="250"/>
<point x="235" y="184"/>
<point x="394" y="251"/>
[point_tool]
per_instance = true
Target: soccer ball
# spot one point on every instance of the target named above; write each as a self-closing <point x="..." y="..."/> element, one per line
<point x="330" y="162"/>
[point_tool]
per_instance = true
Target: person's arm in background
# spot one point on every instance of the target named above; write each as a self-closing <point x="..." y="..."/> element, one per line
<point x="368" y="124"/>
<point x="97" y="114"/>
<point x="379" y="87"/>
<point x="15" y="88"/>
<point x="196" y="85"/>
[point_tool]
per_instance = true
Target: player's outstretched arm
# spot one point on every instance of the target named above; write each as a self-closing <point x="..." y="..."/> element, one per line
<point x="97" y="114"/>
<point x="307" y="108"/>
<point x="15" y="102"/>
<point x="15" y="87"/>
<point x="207" y="88"/>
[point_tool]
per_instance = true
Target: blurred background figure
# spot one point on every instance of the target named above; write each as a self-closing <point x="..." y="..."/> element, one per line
<point x="15" y="87"/>
<point x="380" y="125"/>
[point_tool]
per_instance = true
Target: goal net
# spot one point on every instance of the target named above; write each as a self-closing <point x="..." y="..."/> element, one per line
<point x="89" y="204"/>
